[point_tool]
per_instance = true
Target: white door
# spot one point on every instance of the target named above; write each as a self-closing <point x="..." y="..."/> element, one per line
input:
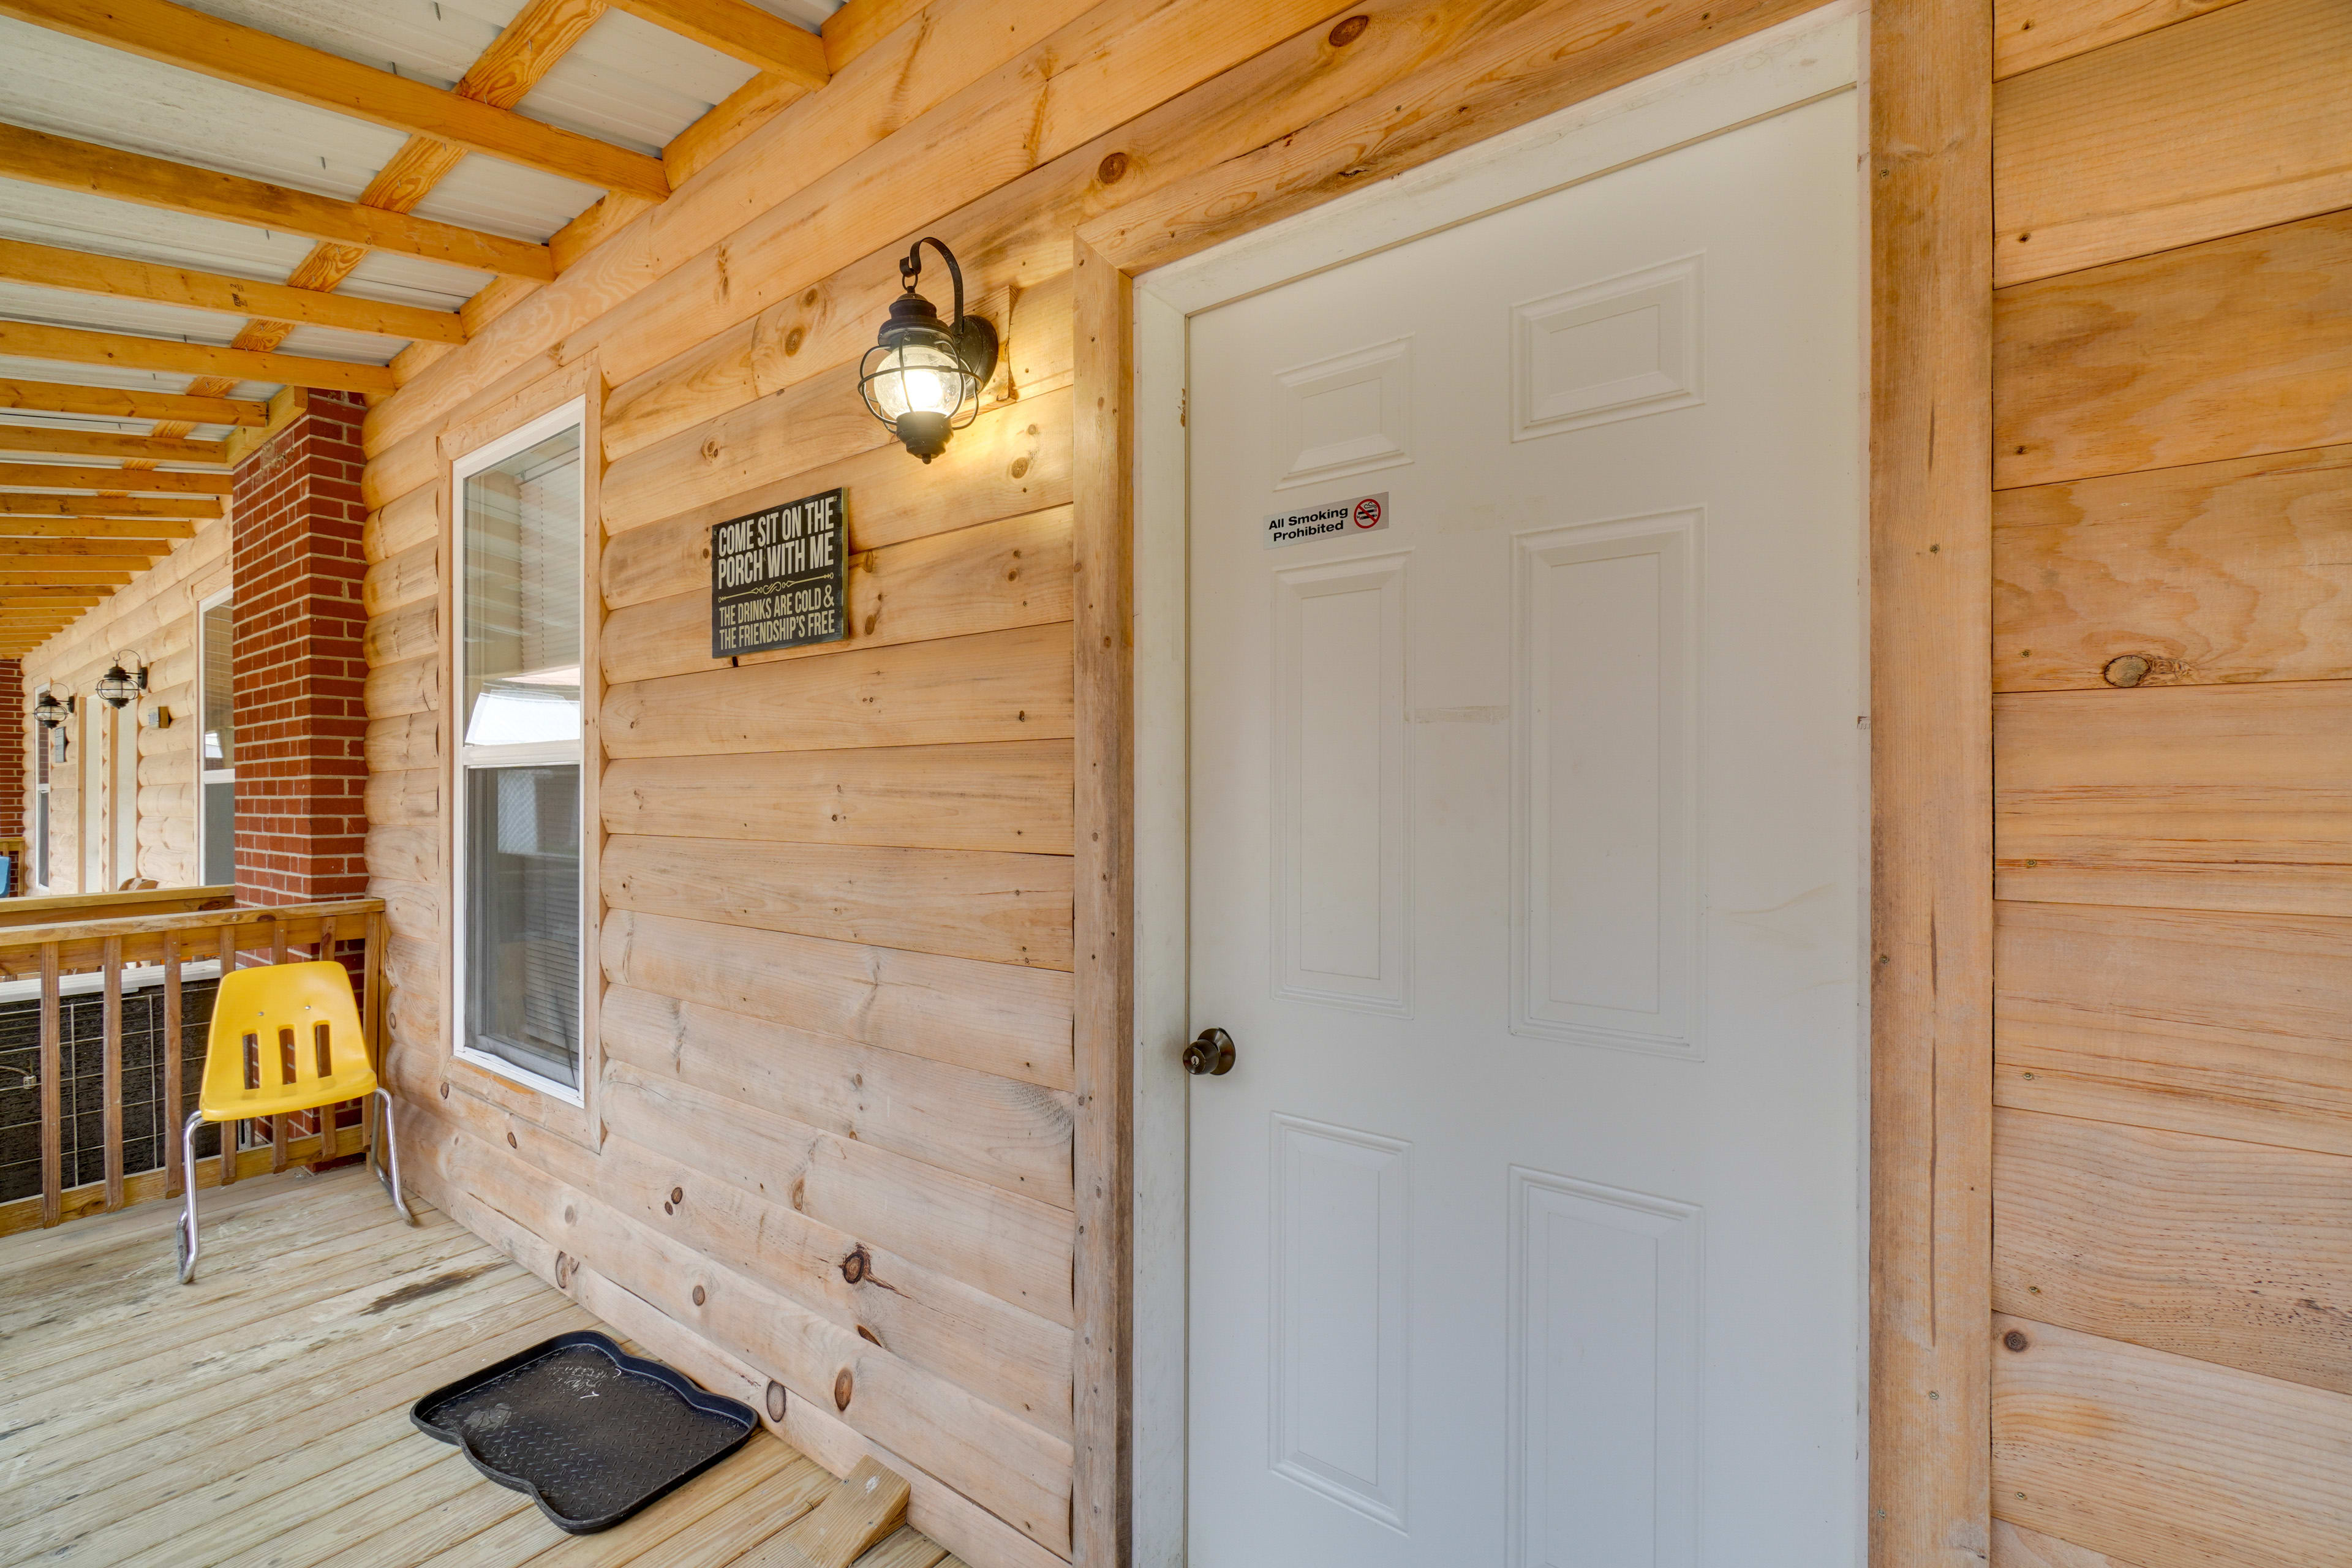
<point x="1528" y="837"/>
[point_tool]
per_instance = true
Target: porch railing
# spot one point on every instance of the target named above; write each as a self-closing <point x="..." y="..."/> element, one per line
<point x="107" y="953"/>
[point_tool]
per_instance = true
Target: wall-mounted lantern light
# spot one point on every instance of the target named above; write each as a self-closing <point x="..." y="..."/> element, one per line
<point x="922" y="377"/>
<point x="119" y="686"/>
<point x="48" y="713"/>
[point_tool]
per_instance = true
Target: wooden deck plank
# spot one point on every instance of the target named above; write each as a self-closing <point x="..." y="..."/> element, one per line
<point x="305" y="1455"/>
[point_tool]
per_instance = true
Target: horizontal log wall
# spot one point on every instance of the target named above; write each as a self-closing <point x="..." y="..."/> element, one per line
<point x="156" y="618"/>
<point x="832" y="1162"/>
<point x="2172" y="664"/>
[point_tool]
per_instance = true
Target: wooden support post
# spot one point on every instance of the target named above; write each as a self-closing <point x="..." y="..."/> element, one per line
<point x="174" y="1091"/>
<point x="1102" y="549"/>
<point x="112" y="1030"/>
<point x="1931" y="782"/>
<point x="52" y="1101"/>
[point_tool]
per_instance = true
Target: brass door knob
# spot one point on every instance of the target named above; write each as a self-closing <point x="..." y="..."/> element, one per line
<point x="1211" y="1055"/>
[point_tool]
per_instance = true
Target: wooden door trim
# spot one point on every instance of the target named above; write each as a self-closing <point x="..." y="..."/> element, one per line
<point x="1931" y="228"/>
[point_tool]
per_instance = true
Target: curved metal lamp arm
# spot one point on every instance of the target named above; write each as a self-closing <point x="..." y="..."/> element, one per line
<point x="910" y="270"/>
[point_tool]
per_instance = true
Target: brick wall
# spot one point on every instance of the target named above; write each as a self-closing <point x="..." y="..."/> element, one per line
<point x="14" y="722"/>
<point x="301" y="768"/>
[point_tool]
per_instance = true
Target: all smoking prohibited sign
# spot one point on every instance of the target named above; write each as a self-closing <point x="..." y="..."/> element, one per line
<point x="1358" y="514"/>
<point x="780" y="578"/>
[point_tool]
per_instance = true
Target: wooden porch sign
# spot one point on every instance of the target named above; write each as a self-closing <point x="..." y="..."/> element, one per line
<point x="778" y="577"/>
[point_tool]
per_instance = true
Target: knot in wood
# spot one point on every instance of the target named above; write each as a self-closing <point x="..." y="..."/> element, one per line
<point x="1348" y="30"/>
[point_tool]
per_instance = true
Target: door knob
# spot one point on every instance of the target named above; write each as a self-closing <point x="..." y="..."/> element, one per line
<point x="1211" y="1055"/>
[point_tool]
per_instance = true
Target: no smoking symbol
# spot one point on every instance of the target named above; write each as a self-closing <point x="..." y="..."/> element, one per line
<point x="1368" y="512"/>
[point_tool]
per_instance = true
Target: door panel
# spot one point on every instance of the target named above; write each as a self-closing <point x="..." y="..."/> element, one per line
<point x="1527" y="852"/>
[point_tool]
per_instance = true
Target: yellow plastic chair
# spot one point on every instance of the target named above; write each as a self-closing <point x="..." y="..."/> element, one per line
<point x="298" y="1024"/>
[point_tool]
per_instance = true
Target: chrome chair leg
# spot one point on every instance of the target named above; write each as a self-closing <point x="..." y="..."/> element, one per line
<point x="392" y="1151"/>
<point x="188" y="1170"/>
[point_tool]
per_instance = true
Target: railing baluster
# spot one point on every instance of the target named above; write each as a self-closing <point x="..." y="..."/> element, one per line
<point x="174" y="1090"/>
<point x="112" y="1027"/>
<point x="52" y="1069"/>
<point x="228" y="1129"/>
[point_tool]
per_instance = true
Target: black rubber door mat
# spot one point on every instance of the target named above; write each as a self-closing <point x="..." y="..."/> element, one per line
<point x="592" y="1433"/>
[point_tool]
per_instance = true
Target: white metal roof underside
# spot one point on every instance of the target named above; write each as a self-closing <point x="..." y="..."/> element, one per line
<point x="626" y="82"/>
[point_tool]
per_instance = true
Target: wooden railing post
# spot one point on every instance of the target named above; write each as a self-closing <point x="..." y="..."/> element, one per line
<point x="52" y="1069"/>
<point x="112" y="1033"/>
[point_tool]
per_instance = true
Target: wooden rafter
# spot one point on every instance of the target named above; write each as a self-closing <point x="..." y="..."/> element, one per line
<point x="41" y="159"/>
<point x="757" y="37"/>
<point x="127" y="402"/>
<point x="268" y="63"/>
<point x="42" y="599"/>
<point x="62" y="477"/>
<point x="103" y="517"/>
<point x="48" y="267"/>
<point x="103" y="554"/>
<point x="15" y="563"/>
<point x="11" y="579"/>
<point x="78" y="346"/>
<point x="108" y="444"/>
<point x="518" y="60"/>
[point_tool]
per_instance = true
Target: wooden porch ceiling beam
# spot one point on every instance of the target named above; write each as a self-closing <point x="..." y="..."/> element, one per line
<point x="65" y="477"/>
<point x="128" y="403"/>
<point x="46" y="267"/>
<point x="103" y="554"/>
<point x="250" y="58"/>
<point x="103" y="517"/>
<point x="757" y="37"/>
<point x="41" y="159"/>
<point x="13" y="581"/>
<point x="42" y="599"/>
<point x="111" y="444"/>
<point x="76" y="563"/>
<point x="75" y="345"/>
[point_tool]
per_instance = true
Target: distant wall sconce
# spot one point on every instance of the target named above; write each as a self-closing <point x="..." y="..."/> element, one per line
<point x="118" y="687"/>
<point x="922" y="377"/>
<point x="48" y="713"/>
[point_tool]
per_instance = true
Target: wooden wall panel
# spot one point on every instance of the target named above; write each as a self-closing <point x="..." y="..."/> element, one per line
<point x="1013" y="795"/>
<point x="2014" y="1546"/>
<point x="1014" y="572"/>
<point x="2164" y="1461"/>
<point x="2227" y="797"/>
<point x="2087" y="155"/>
<point x="1013" y="460"/>
<point x="1003" y="909"/>
<point x="2230" y="1025"/>
<point x="2228" y="348"/>
<point x="999" y="686"/>
<point x="2029" y="34"/>
<point x="2211" y="572"/>
<point x="999" y="1018"/>
<point x="2234" y="1253"/>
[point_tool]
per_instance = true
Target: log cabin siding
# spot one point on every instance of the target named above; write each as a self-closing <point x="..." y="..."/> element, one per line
<point x="2172" y="1252"/>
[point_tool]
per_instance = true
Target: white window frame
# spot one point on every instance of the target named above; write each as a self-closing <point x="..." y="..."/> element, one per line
<point x="205" y="775"/>
<point x="465" y="758"/>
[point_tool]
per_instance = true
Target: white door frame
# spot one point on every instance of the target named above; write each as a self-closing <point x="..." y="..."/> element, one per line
<point x="1816" y="56"/>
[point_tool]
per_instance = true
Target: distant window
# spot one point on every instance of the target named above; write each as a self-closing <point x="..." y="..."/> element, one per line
<point x="519" y="935"/>
<point x="217" y="743"/>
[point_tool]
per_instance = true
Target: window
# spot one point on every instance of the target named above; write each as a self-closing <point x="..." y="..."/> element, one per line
<point x="217" y="741"/>
<point x="519" y="932"/>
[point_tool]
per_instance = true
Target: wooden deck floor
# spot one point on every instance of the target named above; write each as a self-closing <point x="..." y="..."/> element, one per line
<point x="259" y="1416"/>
